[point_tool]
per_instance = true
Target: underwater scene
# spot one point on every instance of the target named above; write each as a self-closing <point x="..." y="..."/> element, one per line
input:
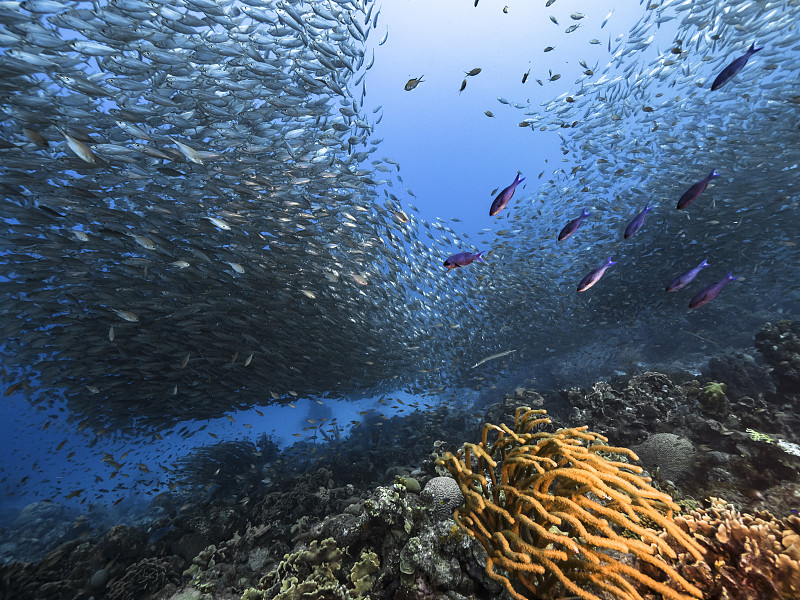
<point x="400" y="300"/>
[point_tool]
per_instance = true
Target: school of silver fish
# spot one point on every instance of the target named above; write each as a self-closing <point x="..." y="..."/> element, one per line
<point x="197" y="219"/>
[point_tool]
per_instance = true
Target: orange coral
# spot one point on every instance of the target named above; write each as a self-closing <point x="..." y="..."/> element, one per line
<point x="553" y="513"/>
<point x="746" y="557"/>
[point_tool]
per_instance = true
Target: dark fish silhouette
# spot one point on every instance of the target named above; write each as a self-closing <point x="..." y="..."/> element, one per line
<point x="732" y="69"/>
<point x="572" y="226"/>
<point x="637" y="222"/>
<point x="504" y="197"/>
<point x="685" y="278"/>
<point x="412" y="83"/>
<point x="594" y="276"/>
<point x="462" y="259"/>
<point x="708" y="293"/>
<point x="695" y="190"/>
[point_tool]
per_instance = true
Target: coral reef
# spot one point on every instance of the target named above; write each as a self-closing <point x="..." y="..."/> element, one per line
<point x="648" y="403"/>
<point x="266" y="528"/>
<point x="713" y="400"/>
<point x="38" y="528"/>
<point x="741" y="373"/>
<point x="745" y="556"/>
<point x="671" y="454"/>
<point x="444" y="495"/>
<point x="552" y="511"/>
<point x="780" y="346"/>
<point x="316" y="572"/>
<point x="144" y="577"/>
<point x="727" y="461"/>
<point x="390" y="545"/>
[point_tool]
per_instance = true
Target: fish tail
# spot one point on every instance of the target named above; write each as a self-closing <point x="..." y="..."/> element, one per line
<point x="753" y="48"/>
<point x="730" y="276"/>
<point x="479" y="256"/>
<point x="713" y="174"/>
<point x="584" y="214"/>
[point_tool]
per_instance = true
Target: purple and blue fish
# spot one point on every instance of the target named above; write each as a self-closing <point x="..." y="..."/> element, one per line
<point x="462" y="259"/>
<point x="637" y="222"/>
<point x="572" y="226"/>
<point x="504" y="197"/>
<point x="685" y="278"/>
<point x="594" y="276"/>
<point x="693" y="193"/>
<point x="708" y="293"/>
<point x="732" y="69"/>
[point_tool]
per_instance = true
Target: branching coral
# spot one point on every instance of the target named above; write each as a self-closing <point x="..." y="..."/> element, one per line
<point x="746" y="557"/>
<point x="555" y="514"/>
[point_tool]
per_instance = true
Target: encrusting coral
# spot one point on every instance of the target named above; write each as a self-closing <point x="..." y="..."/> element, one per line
<point x="317" y="573"/>
<point x="554" y="513"/>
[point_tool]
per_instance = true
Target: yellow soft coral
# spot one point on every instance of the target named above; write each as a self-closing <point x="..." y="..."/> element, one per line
<point x="555" y="514"/>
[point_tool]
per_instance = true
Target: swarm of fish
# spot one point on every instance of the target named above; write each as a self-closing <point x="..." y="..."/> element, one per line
<point x="194" y="218"/>
<point x="191" y="207"/>
<point x="645" y="129"/>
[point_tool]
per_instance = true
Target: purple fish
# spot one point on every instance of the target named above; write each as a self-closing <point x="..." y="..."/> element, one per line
<point x="732" y="69"/>
<point x="707" y="294"/>
<point x="685" y="278"/>
<point x="504" y="197"/>
<point x="637" y="222"/>
<point x="572" y="226"/>
<point x="693" y="193"/>
<point x="462" y="259"/>
<point x="594" y="276"/>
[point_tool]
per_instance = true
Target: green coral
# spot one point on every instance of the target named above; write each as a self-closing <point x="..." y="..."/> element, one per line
<point x="409" y="556"/>
<point x="411" y="484"/>
<point x="316" y="573"/>
<point x="757" y="436"/>
<point x="788" y="447"/>
<point x="362" y="575"/>
<point x="714" y="390"/>
<point x="713" y="399"/>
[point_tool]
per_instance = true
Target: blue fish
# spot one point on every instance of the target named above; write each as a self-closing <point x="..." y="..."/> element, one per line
<point x="693" y="193"/>
<point x="685" y="278"/>
<point x="462" y="259"/>
<point x="594" y="276"/>
<point x="732" y="69"/>
<point x="637" y="222"/>
<point x="572" y="226"/>
<point x="708" y="293"/>
<point x="504" y="197"/>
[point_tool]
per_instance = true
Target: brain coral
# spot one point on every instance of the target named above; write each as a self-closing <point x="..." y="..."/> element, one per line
<point x="672" y="454"/>
<point x="445" y="496"/>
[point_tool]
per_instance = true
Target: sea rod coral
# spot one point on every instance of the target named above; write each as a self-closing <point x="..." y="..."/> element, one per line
<point x="553" y="512"/>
